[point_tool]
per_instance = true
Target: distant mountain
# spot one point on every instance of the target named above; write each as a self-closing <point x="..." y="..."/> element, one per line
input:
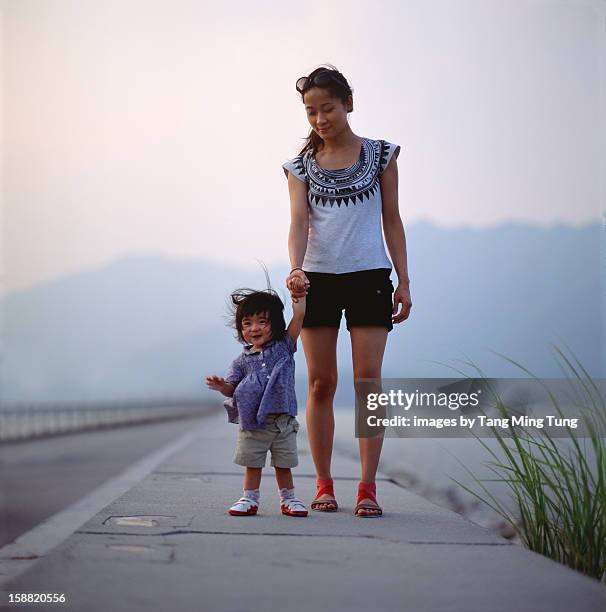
<point x="148" y="326"/>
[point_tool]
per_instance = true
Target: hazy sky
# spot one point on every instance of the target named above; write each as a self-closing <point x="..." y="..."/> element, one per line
<point x="160" y="126"/>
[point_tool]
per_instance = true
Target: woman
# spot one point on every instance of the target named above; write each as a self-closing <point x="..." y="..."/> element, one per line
<point x="340" y="187"/>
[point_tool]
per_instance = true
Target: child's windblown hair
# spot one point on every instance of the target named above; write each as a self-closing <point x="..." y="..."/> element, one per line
<point x="246" y="302"/>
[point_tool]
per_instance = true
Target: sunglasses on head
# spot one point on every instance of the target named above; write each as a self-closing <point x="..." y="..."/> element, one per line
<point x="320" y="79"/>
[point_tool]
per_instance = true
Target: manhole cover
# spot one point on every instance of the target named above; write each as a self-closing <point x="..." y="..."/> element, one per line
<point x="137" y="521"/>
<point x="132" y="548"/>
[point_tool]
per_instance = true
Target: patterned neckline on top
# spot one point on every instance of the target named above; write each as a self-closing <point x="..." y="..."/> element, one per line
<point x="361" y="157"/>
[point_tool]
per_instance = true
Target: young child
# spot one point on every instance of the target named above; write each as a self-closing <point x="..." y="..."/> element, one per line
<point x="261" y="386"/>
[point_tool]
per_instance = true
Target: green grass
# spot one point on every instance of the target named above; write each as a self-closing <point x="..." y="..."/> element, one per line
<point x="558" y="485"/>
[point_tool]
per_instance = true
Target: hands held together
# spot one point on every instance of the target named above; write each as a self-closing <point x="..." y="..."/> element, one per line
<point x="297" y="283"/>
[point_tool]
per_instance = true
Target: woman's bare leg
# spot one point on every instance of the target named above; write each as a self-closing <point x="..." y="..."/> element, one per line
<point x="320" y="345"/>
<point x="367" y="350"/>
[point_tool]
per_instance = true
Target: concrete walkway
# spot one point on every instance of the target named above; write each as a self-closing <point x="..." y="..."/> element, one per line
<point x="181" y="551"/>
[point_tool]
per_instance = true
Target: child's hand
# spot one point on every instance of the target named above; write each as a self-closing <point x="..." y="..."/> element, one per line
<point x="297" y="284"/>
<point x="299" y="303"/>
<point x="216" y="383"/>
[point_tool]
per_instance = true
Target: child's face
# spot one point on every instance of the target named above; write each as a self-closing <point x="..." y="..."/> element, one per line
<point x="256" y="329"/>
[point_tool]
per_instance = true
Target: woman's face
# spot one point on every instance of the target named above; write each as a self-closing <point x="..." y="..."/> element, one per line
<point x="326" y="114"/>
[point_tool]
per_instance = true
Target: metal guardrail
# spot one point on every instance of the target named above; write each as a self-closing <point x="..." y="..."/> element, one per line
<point x="25" y="421"/>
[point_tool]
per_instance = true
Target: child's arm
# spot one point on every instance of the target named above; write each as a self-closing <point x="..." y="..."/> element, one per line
<point x="217" y="383"/>
<point x="296" y="323"/>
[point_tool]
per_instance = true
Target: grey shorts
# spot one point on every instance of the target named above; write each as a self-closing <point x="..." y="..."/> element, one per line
<point x="280" y="438"/>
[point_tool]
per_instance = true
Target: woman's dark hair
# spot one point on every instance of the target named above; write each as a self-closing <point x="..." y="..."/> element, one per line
<point x="336" y="84"/>
<point x="246" y="302"/>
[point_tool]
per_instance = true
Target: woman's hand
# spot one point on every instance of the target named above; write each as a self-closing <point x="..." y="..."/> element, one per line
<point x="297" y="284"/>
<point x="401" y="297"/>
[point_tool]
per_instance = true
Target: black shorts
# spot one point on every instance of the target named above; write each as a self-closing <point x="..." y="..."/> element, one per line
<point x="366" y="297"/>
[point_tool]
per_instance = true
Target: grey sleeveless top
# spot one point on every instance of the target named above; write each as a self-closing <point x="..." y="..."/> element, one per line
<point x="345" y="233"/>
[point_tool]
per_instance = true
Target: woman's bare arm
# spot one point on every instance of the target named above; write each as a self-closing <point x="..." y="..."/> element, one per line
<point x="297" y="235"/>
<point x="299" y="221"/>
<point x="392" y="222"/>
<point x="395" y="239"/>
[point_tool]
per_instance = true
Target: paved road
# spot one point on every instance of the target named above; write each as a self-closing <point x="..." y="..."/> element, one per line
<point x="166" y="543"/>
<point x="41" y="477"/>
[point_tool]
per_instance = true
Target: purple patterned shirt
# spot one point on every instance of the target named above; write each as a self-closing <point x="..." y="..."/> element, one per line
<point x="265" y="383"/>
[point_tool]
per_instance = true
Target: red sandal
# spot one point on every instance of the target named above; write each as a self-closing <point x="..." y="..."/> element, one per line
<point x="367" y="491"/>
<point x="325" y="487"/>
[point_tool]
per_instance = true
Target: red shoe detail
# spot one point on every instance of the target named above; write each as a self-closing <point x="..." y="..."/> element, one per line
<point x="367" y="491"/>
<point x="325" y="487"/>
<point x="286" y="510"/>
